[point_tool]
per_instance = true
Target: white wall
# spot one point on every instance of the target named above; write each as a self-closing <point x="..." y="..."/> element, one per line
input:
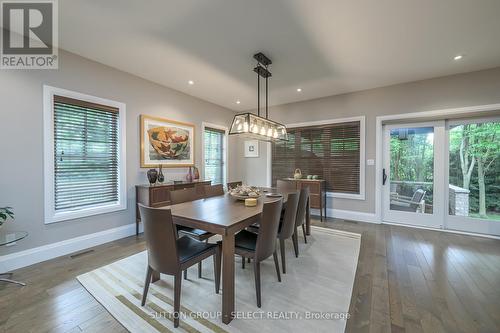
<point x="21" y="140"/>
<point x="470" y="89"/>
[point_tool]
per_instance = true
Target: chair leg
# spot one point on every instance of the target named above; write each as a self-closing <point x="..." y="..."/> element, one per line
<point x="177" y="299"/>
<point x="295" y="243"/>
<point x="185" y="274"/>
<point x="199" y="270"/>
<point x="304" y="232"/>
<point x="217" y="266"/>
<point x="277" y="265"/>
<point x="243" y="259"/>
<point x="149" y="273"/>
<point x="256" y="266"/>
<point x="282" y="250"/>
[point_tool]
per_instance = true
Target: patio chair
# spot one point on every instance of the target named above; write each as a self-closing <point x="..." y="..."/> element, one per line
<point x="407" y="204"/>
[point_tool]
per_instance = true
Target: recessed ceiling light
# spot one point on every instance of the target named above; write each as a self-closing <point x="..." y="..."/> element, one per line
<point x="238" y="102"/>
<point x="191" y="82"/>
<point x="299" y="89"/>
<point x="458" y="57"/>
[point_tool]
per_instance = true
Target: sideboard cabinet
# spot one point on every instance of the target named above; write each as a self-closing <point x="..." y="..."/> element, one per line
<point x="158" y="195"/>
<point x="317" y="192"/>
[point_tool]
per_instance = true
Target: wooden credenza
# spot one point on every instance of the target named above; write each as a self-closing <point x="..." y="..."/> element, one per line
<point x="317" y="192"/>
<point x="159" y="194"/>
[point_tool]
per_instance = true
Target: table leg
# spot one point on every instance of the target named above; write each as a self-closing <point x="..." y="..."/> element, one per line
<point x="308" y="219"/>
<point x="227" y="278"/>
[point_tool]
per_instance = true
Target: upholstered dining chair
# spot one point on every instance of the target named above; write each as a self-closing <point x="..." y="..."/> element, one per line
<point x="232" y="185"/>
<point x="284" y="184"/>
<point x="288" y="224"/>
<point x="185" y="195"/>
<point x="301" y="218"/>
<point x="170" y="255"/>
<point x="261" y="246"/>
<point x="213" y="190"/>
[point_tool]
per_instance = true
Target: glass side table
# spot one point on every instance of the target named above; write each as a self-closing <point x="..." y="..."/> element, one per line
<point x="8" y="237"/>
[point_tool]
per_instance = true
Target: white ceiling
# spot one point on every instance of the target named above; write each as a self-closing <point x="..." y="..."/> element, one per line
<point x="325" y="47"/>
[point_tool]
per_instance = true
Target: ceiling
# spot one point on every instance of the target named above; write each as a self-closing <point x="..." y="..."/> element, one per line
<point x="324" y="47"/>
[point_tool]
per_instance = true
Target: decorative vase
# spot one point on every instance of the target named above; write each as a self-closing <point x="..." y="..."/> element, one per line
<point x="152" y="176"/>
<point x="189" y="176"/>
<point x="297" y="174"/>
<point x="161" y="177"/>
<point x="196" y="173"/>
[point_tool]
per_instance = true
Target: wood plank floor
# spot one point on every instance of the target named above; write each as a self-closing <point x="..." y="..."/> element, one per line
<point x="408" y="280"/>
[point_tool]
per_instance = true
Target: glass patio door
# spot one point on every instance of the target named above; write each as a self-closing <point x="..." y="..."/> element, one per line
<point x="413" y="174"/>
<point x="473" y="175"/>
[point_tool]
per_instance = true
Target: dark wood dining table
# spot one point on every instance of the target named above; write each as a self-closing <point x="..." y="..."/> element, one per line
<point x="224" y="215"/>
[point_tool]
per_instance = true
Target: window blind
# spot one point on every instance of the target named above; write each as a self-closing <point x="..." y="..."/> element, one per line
<point x="330" y="151"/>
<point x="214" y="155"/>
<point x="85" y="154"/>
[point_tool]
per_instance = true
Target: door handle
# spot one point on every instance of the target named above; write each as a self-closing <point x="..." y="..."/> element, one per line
<point x="384" y="176"/>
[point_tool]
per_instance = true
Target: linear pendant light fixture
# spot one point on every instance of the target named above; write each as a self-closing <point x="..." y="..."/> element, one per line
<point x="252" y="125"/>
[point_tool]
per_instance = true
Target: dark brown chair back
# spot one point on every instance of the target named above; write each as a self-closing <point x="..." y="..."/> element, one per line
<point x="160" y="239"/>
<point x="285" y="184"/>
<point x="183" y="195"/>
<point x="232" y="185"/>
<point x="302" y="209"/>
<point x="213" y="190"/>
<point x="268" y="230"/>
<point x="288" y="223"/>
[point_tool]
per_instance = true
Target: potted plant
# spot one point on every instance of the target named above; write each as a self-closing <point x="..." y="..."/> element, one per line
<point x="5" y="213"/>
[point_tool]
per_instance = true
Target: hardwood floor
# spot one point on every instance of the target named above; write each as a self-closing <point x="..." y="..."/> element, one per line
<point x="408" y="280"/>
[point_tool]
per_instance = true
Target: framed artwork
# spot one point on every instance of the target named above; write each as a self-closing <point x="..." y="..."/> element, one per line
<point x="166" y="142"/>
<point x="252" y="148"/>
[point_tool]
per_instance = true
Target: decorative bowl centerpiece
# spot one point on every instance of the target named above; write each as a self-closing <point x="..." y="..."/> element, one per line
<point x="242" y="192"/>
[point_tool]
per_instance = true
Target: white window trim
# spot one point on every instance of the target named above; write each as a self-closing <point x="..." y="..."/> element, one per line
<point x="224" y="149"/>
<point x="51" y="216"/>
<point x="362" y="135"/>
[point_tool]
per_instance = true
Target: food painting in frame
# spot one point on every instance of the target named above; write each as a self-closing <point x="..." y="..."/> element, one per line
<point x="165" y="142"/>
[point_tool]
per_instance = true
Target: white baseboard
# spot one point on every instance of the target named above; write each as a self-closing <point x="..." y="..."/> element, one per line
<point x="35" y="255"/>
<point x="349" y="215"/>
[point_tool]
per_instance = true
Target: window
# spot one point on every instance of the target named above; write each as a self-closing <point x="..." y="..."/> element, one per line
<point x="84" y="169"/>
<point x="333" y="150"/>
<point x="214" y="154"/>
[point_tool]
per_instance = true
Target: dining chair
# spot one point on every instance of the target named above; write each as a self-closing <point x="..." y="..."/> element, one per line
<point x="288" y="224"/>
<point x="285" y="184"/>
<point x="261" y="246"/>
<point x="301" y="218"/>
<point x="170" y="255"/>
<point x="185" y="195"/>
<point x="213" y="190"/>
<point x="232" y="185"/>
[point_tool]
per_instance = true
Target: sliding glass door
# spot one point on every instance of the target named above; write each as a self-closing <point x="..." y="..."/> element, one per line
<point x="413" y="173"/>
<point x="443" y="174"/>
<point x="473" y="175"/>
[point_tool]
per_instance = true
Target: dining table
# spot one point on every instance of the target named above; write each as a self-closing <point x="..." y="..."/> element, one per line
<point x="225" y="215"/>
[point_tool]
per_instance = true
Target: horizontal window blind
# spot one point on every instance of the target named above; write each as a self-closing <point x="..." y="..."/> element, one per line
<point x="85" y="154"/>
<point x="214" y="155"/>
<point x="330" y="151"/>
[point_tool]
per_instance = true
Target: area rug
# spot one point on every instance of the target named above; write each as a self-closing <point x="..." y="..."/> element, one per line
<point x="314" y="294"/>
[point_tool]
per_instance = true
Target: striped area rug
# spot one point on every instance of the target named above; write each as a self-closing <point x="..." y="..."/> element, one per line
<point x="314" y="295"/>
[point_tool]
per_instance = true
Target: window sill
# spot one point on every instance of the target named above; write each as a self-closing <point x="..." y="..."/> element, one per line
<point x="81" y="213"/>
<point x="360" y="196"/>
